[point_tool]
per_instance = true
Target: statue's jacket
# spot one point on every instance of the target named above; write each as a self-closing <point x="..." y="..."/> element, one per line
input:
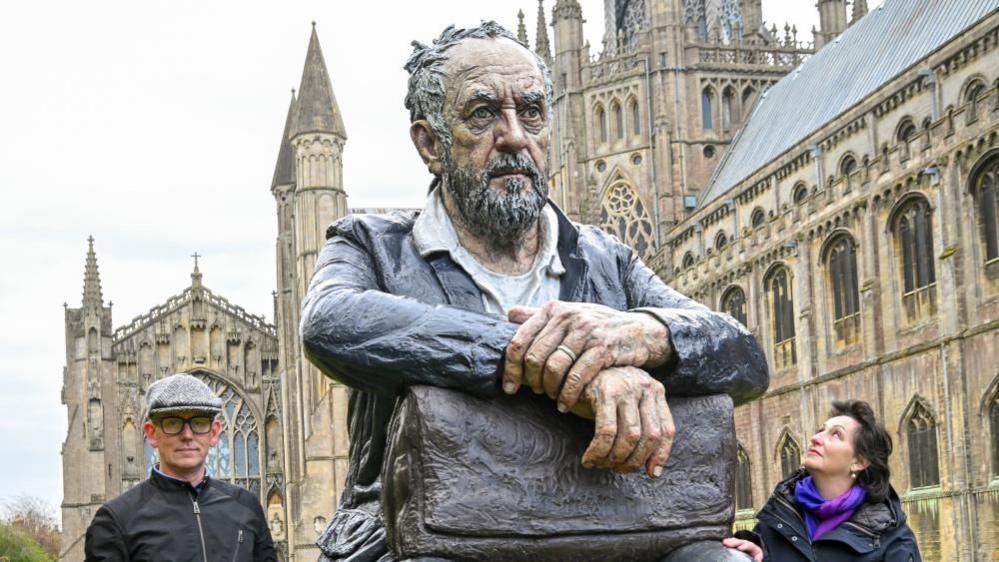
<point x="379" y="317"/>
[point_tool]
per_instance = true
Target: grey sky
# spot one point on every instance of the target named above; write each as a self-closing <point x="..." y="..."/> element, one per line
<point x="155" y="127"/>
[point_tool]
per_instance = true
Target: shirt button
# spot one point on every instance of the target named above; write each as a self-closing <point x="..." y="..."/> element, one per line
<point x="794" y="539"/>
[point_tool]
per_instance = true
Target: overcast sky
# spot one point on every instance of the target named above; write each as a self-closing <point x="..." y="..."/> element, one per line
<point x="155" y="128"/>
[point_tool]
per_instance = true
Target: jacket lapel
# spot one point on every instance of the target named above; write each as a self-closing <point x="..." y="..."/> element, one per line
<point x="573" y="287"/>
<point x="459" y="289"/>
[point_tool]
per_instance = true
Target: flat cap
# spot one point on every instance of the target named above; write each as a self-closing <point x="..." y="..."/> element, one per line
<point x="180" y="393"/>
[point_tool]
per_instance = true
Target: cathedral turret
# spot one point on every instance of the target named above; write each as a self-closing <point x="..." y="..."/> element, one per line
<point x="521" y="28"/>
<point x="752" y="16"/>
<point x="832" y="21"/>
<point x="93" y="299"/>
<point x="284" y="170"/>
<point x="541" y="45"/>
<point x="567" y="19"/>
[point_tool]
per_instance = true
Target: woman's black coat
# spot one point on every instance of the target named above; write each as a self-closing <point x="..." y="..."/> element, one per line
<point x="876" y="532"/>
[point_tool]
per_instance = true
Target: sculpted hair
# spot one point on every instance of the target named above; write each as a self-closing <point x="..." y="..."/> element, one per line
<point x="425" y="96"/>
<point x="872" y="442"/>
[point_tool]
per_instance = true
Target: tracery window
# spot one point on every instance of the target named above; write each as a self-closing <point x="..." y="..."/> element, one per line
<point x="841" y="263"/>
<point x="914" y="245"/>
<point x="707" y="101"/>
<point x="743" y="480"/>
<point x="984" y="185"/>
<point x="790" y="456"/>
<point x="921" y="435"/>
<point x="781" y="317"/>
<point x="734" y="303"/>
<point x="623" y="214"/>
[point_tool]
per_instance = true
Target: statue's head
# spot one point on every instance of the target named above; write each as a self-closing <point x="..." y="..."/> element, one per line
<point x="480" y="111"/>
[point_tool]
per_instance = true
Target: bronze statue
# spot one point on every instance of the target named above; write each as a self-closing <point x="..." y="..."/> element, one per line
<point x="437" y="319"/>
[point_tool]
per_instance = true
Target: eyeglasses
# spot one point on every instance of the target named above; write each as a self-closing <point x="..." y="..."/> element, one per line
<point x="175" y="425"/>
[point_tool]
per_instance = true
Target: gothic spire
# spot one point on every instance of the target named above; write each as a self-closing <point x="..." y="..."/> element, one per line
<point x="92" y="296"/>
<point x="521" y="29"/>
<point x="284" y="170"/>
<point x="859" y="9"/>
<point x="316" y="110"/>
<point x="196" y="274"/>
<point x="541" y="39"/>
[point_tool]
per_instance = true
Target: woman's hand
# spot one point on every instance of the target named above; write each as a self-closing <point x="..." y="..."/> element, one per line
<point x="750" y="548"/>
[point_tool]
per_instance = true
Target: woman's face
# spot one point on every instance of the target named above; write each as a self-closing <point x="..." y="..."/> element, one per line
<point x="830" y="450"/>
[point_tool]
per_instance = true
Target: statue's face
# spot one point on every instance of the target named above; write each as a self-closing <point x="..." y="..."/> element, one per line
<point x="495" y="169"/>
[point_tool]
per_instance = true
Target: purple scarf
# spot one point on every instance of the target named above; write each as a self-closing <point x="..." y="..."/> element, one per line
<point x="821" y="515"/>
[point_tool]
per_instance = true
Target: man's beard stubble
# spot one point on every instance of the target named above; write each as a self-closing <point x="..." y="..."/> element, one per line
<point x="501" y="217"/>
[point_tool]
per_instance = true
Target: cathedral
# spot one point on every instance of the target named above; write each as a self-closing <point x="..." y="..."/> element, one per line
<point x="836" y="195"/>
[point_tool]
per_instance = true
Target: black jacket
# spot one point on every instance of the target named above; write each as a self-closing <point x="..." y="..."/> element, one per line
<point x="378" y="316"/>
<point x="163" y="519"/>
<point x="876" y="532"/>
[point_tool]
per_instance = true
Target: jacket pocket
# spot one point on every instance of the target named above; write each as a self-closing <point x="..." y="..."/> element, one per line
<point x="243" y="548"/>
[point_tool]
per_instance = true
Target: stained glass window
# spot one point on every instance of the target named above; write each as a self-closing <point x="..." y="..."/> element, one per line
<point x="914" y="244"/>
<point x="236" y="458"/>
<point x="734" y="303"/>
<point x="782" y="317"/>
<point x="623" y="214"/>
<point x="841" y="262"/>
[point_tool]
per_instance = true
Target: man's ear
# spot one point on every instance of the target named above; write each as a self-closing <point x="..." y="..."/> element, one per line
<point x="216" y="430"/>
<point x="427" y="145"/>
<point x="150" y="430"/>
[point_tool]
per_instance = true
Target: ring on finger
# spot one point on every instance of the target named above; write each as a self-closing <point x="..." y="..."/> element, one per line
<point x="567" y="351"/>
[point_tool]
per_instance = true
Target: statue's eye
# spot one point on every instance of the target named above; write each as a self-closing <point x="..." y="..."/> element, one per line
<point x="482" y="113"/>
<point x="532" y="113"/>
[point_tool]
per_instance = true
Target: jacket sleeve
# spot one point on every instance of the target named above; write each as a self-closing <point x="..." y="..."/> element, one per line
<point x="712" y="352"/>
<point x="903" y="548"/>
<point x="379" y="342"/>
<point x="105" y="541"/>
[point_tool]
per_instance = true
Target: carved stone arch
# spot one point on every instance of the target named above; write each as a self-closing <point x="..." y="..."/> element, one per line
<point x="834" y="236"/>
<point x="617" y="114"/>
<point x="916" y="403"/>
<point x="758" y="217"/>
<point x="787" y="453"/>
<point x="904" y="201"/>
<point x="906" y="129"/>
<point x="625" y="215"/>
<point x="688" y="260"/>
<point x="600" y="122"/>
<point x="634" y="114"/>
<point x="799" y="192"/>
<point x="975" y="82"/>
<point x="845" y="161"/>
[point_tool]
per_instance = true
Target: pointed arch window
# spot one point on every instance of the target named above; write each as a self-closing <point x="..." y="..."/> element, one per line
<point x="734" y="303"/>
<point x="841" y="263"/>
<point x="778" y="286"/>
<point x="707" y="102"/>
<point x="601" y="116"/>
<point x="748" y="98"/>
<point x="618" y="120"/>
<point x="623" y="214"/>
<point x="726" y="109"/>
<point x="743" y="480"/>
<point x="236" y="458"/>
<point x="921" y="436"/>
<point x="790" y="456"/>
<point x="985" y="183"/>
<point x="636" y="118"/>
<point x="913" y="238"/>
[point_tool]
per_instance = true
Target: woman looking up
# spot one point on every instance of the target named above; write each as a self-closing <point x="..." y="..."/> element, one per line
<point x="839" y="506"/>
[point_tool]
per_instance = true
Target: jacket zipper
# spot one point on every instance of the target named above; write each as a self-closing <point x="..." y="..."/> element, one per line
<point x="239" y="541"/>
<point x="862" y="529"/>
<point x="201" y="531"/>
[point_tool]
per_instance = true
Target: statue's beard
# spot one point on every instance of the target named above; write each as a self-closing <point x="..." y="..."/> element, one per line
<point x="501" y="217"/>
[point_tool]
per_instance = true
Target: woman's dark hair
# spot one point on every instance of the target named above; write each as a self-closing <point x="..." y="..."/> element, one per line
<point x="871" y="442"/>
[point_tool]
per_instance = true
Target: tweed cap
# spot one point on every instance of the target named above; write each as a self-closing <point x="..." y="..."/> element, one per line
<point x="181" y="393"/>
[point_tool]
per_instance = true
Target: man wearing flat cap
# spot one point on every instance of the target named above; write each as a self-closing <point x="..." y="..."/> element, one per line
<point x="180" y="513"/>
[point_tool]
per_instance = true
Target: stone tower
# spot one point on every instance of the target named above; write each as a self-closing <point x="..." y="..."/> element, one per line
<point x="308" y="189"/>
<point x="640" y="127"/>
<point x="832" y="21"/>
<point x="89" y="393"/>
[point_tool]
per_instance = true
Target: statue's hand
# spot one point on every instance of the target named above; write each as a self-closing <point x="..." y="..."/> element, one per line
<point x="561" y="347"/>
<point x="634" y="427"/>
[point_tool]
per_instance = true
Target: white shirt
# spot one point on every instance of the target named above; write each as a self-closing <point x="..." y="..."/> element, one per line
<point x="434" y="231"/>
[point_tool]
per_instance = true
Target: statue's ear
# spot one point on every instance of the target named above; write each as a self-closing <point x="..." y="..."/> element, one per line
<point x="427" y="145"/>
